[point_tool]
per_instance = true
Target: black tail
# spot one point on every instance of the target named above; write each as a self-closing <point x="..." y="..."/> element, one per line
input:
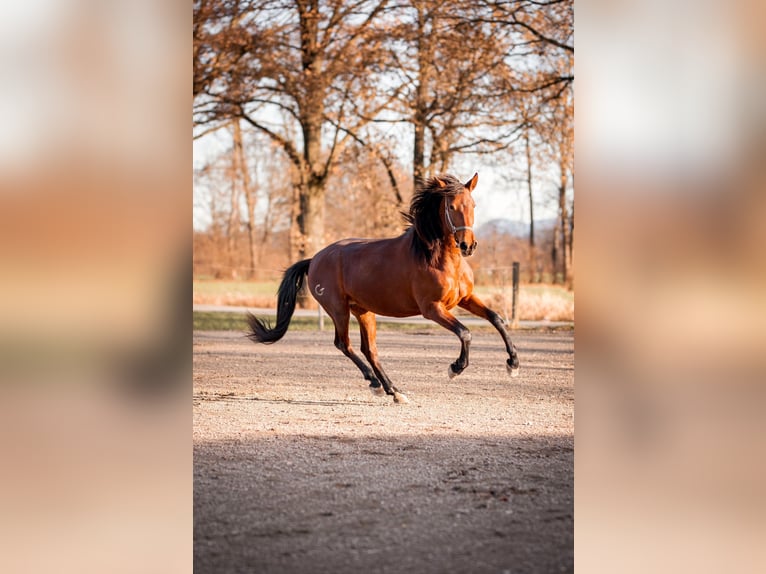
<point x="260" y="331"/>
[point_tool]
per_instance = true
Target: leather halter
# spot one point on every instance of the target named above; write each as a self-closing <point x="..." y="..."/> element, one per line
<point x="452" y="225"/>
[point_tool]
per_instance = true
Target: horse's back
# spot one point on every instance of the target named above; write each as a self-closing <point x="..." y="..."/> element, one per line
<point x="374" y="274"/>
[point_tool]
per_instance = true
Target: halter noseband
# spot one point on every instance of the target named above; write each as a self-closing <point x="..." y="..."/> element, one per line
<point x="452" y="225"/>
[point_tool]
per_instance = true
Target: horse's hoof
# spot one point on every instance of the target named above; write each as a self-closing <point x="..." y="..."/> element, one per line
<point x="512" y="371"/>
<point x="400" y="398"/>
<point x="450" y="373"/>
<point x="377" y="391"/>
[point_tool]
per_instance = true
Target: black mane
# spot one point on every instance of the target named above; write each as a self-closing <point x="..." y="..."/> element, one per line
<point x="424" y="216"/>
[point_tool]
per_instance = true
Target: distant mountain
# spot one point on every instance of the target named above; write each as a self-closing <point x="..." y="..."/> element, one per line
<point x="514" y="228"/>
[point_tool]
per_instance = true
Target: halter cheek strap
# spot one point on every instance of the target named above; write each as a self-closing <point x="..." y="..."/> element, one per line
<point x="452" y="225"/>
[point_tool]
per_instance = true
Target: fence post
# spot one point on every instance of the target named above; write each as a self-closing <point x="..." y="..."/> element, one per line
<point x="321" y="318"/>
<point x="515" y="280"/>
<point x="504" y="279"/>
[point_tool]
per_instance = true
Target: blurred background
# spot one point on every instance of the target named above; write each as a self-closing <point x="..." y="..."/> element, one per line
<point x="671" y="295"/>
<point x="95" y="178"/>
<point x="95" y="264"/>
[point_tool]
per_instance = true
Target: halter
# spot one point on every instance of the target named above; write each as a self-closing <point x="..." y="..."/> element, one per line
<point x="452" y="225"/>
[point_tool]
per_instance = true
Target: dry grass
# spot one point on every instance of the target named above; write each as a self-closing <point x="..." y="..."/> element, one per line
<point x="238" y="293"/>
<point x="237" y="299"/>
<point x="536" y="302"/>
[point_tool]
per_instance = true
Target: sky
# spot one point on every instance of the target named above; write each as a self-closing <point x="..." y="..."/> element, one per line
<point x="499" y="194"/>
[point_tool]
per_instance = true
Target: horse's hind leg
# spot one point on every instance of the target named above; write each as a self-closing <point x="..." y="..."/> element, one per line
<point x="376" y="387"/>
<point x="367" y="329"/>
<point x="342" y="342"/>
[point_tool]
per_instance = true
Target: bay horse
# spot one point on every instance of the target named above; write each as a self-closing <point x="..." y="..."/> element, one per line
<point x="423" y="271"/>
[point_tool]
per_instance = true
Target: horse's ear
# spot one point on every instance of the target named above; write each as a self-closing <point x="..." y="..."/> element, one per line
<point x="440" y="182"/>
<point x="471" y="183"/>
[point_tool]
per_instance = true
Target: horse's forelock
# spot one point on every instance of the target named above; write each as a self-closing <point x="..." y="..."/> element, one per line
<point x="442" y="184"/>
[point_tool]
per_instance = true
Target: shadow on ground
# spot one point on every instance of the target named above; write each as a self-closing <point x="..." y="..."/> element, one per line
<point x="382" y="503"/>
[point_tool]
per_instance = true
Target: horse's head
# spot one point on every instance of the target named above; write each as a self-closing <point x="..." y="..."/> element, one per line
<point x="441" y="212"/>
<point x="458" y="217"/>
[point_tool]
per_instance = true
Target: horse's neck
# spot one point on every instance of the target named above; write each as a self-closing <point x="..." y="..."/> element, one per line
<point x="450" y="257"/>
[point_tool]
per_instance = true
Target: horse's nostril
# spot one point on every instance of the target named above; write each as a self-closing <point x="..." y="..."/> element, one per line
<point x="463" y="245"/>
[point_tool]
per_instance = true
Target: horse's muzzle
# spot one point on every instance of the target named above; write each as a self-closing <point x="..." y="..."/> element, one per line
<point x="467" y="250"/>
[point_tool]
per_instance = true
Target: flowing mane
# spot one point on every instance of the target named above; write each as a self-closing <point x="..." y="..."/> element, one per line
<point x="424" y="216"/>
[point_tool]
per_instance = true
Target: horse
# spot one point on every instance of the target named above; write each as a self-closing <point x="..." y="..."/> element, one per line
<point x="421" y="272"/>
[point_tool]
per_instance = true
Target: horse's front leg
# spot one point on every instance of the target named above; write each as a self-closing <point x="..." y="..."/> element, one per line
<point x="438" y="313"/>
<point x="475" y="306"/>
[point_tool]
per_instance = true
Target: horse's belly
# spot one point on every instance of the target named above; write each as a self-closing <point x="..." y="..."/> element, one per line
<point x="381" y="301"/>
<point x="394" y="312"/>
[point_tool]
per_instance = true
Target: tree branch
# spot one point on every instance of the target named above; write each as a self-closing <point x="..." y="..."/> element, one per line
<point x="286" y="144"/>
<point x="377" y="153"/>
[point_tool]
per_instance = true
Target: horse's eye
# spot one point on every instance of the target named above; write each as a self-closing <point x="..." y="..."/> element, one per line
<point x="452" y="207"/>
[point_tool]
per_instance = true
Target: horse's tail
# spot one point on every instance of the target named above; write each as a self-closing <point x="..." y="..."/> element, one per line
<point x="260" y="331"/>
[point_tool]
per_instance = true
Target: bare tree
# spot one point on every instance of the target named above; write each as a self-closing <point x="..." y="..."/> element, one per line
<point x="532" y="252"/>
<point x="558" y="130"/>
<point x="359" y="201"/>
<point x="542" y="94"/>
<point x="444" y="79"/>
<point x="214" y="249"/>
<point x="322" y="78"/>
<point x="249" y="193"/>
<point x="305" y="59"/>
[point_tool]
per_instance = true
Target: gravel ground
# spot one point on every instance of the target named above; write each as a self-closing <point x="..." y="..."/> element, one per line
<point x="298" y="468"/>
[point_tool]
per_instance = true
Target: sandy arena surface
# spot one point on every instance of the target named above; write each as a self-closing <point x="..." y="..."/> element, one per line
<point x="299" y="468"/>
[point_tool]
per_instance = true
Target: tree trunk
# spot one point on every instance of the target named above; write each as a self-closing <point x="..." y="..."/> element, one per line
<point x="234" y="221"/>
<point x="311" y="221"/>
<point x="421" y="97"/>
<point x="563" y="221"/>
<point x="267" y="219"/>
<point x="249" y="197"/>
<point x="297" y="240"/>
<point x="570" y="283"/>
<point x="532" y="254"/>
<point x="307" y="233"/>
<point x="308" y="218"/>
<point x="555" y="254"/>
<point x="418" y="157"/>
